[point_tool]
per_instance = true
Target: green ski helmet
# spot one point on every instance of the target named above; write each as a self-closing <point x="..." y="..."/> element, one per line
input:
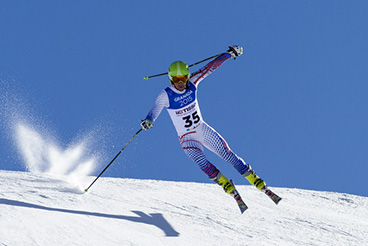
<point x="178" y="69"/>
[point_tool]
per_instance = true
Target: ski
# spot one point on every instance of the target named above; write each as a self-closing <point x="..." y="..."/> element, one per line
<point x="235" y="194"/>
<point x="275" y="198"/>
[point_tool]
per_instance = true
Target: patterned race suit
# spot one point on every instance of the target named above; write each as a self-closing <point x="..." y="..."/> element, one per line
<point x="193" y="132"/>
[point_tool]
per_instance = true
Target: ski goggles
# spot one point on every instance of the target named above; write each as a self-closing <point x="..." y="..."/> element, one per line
<point x="180" y="79"/>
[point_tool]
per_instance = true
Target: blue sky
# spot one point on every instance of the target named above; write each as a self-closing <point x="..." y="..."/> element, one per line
<point x="294" y="105"/>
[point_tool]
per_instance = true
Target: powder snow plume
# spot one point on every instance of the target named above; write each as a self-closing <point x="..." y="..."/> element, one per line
<point x="39" y="148"/>
<point x="42" y="154"/>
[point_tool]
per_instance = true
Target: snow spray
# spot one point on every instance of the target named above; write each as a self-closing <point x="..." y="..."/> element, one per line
<point x="42" y="154"/>
<point x="38" y="147"/>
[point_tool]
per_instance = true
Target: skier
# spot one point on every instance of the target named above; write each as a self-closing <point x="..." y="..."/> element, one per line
<point x="181" y="102"/>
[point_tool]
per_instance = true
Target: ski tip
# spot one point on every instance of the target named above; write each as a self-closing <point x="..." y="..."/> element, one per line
<point x="145" y="77"/>
<point x="85" y="191"/>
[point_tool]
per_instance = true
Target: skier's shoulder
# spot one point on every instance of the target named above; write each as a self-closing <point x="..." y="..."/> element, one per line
<point x="167" y="91"/>
<point x="163" y="93"/>
<point x="170" y="90"/>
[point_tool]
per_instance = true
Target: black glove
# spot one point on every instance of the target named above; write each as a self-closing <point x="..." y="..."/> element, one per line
<point x="146" y="124"/>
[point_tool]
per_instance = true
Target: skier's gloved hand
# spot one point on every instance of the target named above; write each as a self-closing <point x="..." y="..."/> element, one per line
<point x="235" y="51"/>
<point x="146" y="124"/>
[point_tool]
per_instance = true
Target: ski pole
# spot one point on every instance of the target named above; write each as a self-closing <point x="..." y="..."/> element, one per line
<point x="204" y="60"/>
<point x="156" y="75"/>
<point x="113" y="160"/>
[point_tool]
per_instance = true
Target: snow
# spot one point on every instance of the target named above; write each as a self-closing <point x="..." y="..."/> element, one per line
<point x="44" y="209"/>
<point x="46" y="206"/>
<point x="41" y="153"/>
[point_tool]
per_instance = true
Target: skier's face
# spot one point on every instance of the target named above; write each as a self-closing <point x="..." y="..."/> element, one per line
<point x="180" y="86"/>
<point x="180" y="82"/>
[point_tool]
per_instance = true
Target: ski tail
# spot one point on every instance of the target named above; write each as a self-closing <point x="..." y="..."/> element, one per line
<point x="235" y="194"/>
<point x="275" y="198"/>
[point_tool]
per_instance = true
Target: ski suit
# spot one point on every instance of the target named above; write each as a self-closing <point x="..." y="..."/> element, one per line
<point x="195" y="134"/>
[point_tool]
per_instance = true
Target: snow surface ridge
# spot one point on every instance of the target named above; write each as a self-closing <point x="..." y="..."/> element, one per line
<point x="41" y="209"/>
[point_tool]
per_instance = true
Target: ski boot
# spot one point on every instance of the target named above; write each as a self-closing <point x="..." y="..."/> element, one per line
<point x="255" y="180"/>
<point x="224" y="182"/>
<point x="229" y="188"/>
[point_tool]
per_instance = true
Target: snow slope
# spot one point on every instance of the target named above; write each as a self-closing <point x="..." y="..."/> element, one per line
<point x="40" y="209"/>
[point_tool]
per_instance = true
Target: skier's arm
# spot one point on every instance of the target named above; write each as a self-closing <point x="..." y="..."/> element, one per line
<point x="202" y="73"/>
<point x="161" y="102"/>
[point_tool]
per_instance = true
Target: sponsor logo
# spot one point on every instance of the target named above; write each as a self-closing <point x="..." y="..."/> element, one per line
<point x="192" y="128"/>
<point x="185" y="110"/>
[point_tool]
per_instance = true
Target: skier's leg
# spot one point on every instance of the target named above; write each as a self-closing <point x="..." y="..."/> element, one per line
<point x="194" y="150"/>
<point x="217" y="144"/>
